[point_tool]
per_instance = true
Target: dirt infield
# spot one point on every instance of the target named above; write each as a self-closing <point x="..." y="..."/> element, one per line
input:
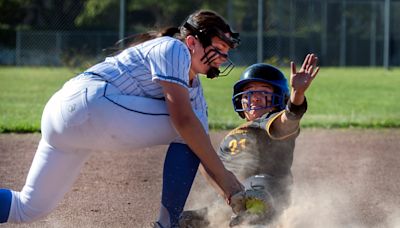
<point x="343" y="178"/>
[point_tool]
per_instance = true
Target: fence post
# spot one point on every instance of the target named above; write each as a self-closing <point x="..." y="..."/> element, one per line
<point x="260" y="29"/>
<point x="58" y="51"/>
<point x="121" y="21"/>
<point x="343" y="46"/>
<point x="324" y="27"/>
<point x="230" y="11"/>
<point x="292" y="41"/>
<point x="18" y="47"/>
<point x="386" y="35"/>
<point x="372" y="42"/>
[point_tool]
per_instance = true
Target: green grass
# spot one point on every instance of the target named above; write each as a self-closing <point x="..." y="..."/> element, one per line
<point x="338" y="98"/>
<point x="24" y="93"/>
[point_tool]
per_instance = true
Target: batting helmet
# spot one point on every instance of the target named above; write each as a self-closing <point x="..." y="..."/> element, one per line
<point x="261" y="72"/>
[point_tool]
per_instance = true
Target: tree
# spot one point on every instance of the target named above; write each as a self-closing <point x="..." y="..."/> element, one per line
<point x="144" y="14"/>
<point x="12" y="12"/>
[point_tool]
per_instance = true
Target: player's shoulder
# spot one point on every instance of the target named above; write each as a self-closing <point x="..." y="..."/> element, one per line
<point x="167" y="46"/>
<point x="241" y="129"/>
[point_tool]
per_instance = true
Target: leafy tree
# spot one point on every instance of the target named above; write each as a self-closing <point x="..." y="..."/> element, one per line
<point x="99" y="14"/>
<point x="142" y="14"/>
<point x="12" y="12"/>
<point x="39" y="14"/>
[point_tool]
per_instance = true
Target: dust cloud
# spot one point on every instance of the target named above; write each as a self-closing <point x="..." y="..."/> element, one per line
<point x="315" y="205"/>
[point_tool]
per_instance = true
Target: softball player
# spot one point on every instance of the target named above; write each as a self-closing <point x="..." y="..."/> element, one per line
<point x="260" y="151"/>
<point x="149" y="94"/>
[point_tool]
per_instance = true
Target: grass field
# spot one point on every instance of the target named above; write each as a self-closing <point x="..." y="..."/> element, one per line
<point x="338" y="98"/>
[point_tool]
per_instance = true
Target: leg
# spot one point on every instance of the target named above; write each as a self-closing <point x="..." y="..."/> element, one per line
<point x="51" y="175"/>
<point x="180" y="169"/>
<point x="5" y="204"/>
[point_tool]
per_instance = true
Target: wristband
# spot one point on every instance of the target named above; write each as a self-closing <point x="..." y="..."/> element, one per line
<point x="295" y="112"/>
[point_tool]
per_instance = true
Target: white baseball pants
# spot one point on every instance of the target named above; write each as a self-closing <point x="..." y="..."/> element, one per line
<point x="86" y="115"/>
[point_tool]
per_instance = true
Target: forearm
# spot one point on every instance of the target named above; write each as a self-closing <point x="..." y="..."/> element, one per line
<point x="297" y="97"/>
<point x="210" y="181"/>
<point x="192" y="132"/>
<point x="289" y="121"/>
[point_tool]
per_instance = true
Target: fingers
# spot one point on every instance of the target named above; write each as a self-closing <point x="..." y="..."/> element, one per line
<point x="311" y="59"/>
<point x="315" y="67"/>
<point x="293" y="67"/>
<point x="237" y="202"/>
<point x="309" y="69"/>
<point x="312" y="72"/>
<point x="315" y="61"/>
<point x="315" y="73"/>
<point x="311" y="66"/>
<point x="305" y="62"/>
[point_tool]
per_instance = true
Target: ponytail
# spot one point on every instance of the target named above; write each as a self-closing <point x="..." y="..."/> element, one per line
<point x="171" y="31"/>
<point x="136" y="39"/>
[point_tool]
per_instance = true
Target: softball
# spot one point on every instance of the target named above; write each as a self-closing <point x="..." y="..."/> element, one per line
<point x="255" y="206"/>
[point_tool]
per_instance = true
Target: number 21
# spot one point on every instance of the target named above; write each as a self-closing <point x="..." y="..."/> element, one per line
<point x="236" y="146"/>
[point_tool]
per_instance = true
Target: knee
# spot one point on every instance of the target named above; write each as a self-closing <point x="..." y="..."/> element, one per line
<point x="25" y="211"/>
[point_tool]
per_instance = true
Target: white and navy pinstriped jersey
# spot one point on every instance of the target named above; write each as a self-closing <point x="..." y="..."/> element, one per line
<point x="136" y="70"/>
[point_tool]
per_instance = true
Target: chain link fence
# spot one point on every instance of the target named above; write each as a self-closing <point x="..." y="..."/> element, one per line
<point x="341" y="32"/>
<point x="61" y="48"/>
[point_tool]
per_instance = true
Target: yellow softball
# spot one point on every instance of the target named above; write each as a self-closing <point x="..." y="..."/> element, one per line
<point x="255" y="206"/>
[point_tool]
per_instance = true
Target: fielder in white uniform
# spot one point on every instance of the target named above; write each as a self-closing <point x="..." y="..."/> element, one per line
<point x="149" y="94"/>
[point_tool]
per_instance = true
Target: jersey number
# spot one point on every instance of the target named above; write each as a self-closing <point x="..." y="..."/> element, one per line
<point x="235" y="146"/>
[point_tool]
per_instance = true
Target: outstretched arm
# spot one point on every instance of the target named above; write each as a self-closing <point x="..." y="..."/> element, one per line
<point x="193" y="133"/>
<point x="299" y="82"/>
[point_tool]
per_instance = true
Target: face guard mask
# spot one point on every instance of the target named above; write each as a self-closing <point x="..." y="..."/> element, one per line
<point x="273" y="100"/>
<point x="204" y="37"/>
<point x="213" y="72"/>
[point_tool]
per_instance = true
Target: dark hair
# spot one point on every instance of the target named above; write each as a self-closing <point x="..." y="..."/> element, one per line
<point x="206" y="24"/>
<point x="203" y="23"/>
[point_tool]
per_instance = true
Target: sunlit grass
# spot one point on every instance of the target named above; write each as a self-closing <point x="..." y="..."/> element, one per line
<point x="338" y="98"/>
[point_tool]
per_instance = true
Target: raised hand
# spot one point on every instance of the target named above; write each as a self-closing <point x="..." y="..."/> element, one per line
<point x="301" y="80"/>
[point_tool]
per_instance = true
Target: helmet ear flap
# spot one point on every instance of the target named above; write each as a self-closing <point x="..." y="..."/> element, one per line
<point x="276" y="100"/>
<point x="237" y="104"/>
<point x="282" y="99"/>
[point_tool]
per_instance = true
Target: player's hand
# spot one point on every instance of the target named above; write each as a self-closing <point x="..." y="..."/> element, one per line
<point x="238" y="202"/>
<point x="231" y="186"/>
<point x="301" y="80"/>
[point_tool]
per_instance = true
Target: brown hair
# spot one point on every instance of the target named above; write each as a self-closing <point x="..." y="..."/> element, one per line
<point x="205" y="20"/>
